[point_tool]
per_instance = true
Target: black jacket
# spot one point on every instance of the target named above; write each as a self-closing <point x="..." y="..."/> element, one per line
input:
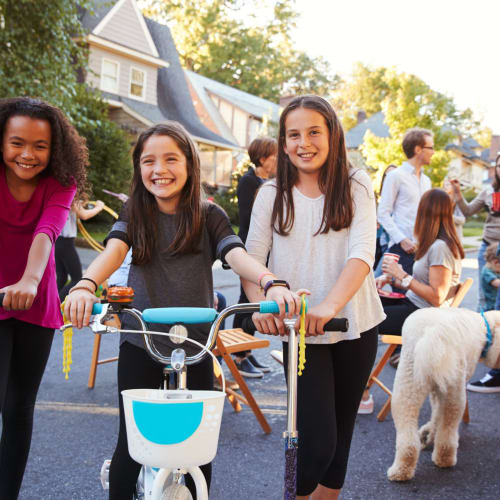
<point x="248" y="186"/>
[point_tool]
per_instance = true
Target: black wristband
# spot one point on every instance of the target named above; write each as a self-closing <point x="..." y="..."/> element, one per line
<point x="271" y="283"/>
<point x="92" y="281"/>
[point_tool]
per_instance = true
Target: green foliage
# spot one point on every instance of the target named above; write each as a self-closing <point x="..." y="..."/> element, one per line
<point x="407" y="102"/>
<point x="41" y="58"/>
<point x="109" y="150"/>
<point x="253" y="51"/>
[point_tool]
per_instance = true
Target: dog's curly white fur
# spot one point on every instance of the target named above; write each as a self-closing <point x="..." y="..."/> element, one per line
<point x="441" y="348"/>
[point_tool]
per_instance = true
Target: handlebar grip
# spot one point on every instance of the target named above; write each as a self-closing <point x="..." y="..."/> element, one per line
<point x="97" y="308"/>
<point x="337" y="325"/>
<point x="334" y="325"/>
<point x="271" y="307"/>
<point x="172" y="315"/>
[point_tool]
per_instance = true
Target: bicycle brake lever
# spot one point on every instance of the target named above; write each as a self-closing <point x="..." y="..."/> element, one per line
<point x="97" y="326"/>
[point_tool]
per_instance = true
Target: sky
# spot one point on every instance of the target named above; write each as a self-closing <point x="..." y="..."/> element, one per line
<point x="452" y="45"/>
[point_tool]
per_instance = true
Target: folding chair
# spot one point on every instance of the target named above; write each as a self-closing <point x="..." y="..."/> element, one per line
<point x="393" y="341"/>
<point x="236" y="340"/>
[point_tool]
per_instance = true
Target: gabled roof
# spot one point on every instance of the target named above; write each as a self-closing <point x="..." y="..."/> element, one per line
<point x="253" y="105"/>
<point x="117" y="25"/>
<point x="174" y="99"/>
<point x="376" y="125"/>
<point x="468" y="149"/>
<point x="91" y="20"/>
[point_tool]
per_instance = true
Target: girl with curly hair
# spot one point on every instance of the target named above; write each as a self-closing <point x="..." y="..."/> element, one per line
<point x="42" y="164"/>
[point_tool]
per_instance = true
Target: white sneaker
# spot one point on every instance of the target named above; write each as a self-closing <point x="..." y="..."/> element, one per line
<point x="366" y="407"/>
<point x="277" y="355"/>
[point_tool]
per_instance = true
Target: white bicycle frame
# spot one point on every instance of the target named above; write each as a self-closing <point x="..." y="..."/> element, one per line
<point x="155" y="482"/>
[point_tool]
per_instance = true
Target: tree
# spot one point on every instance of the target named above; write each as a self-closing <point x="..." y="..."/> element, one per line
<point x="41" y="58"/>
<point x="240" y="50"/>
<point x="407" y="102"/>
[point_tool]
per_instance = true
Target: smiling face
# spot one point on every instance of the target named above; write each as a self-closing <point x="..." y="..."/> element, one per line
<point x="26" y="148"/>
<point x="306" y="140"/>
<point x="163" y="171"/>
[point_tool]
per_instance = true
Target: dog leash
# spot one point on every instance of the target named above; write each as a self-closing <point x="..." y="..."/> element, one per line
<point x="489" y="336"/>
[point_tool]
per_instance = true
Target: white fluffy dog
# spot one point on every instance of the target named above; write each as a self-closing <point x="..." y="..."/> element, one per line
<point x="441" y="348"/>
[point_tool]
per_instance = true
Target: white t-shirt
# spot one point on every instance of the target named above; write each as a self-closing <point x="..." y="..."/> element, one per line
<point x="70" y="228"/>
<point x="315" y="262"/>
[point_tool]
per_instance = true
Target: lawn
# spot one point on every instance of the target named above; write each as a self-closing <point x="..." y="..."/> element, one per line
<point x="473" y="231"/>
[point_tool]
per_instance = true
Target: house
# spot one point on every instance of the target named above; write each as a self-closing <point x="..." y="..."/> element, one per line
<point x="470" y="162"/>
<point x="237" y="116"/>
<point x="355" y="136"/>
<point x="133" y="61"/>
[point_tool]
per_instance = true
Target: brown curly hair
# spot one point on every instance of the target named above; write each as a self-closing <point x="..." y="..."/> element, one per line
<point x="68" y="152"/>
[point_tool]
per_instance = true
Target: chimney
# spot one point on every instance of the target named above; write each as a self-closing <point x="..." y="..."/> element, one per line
<point x="361" y="116"/>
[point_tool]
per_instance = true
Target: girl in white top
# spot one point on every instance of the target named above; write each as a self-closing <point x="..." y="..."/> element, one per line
<point x="317" y="222"/>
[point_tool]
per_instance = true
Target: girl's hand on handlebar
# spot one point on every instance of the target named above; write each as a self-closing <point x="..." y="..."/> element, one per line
<point x="78" y="307"/>
<point x="269" y="324"/>
<point x="316" y="318"/>
<point x="281" y="295"/>
<point x="19" y="296"/>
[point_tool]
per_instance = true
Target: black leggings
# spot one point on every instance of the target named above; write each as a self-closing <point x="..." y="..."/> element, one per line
<point x="24" y="351"/>
<point x="67" y="264"/>
<point x="329" y="393"/>
<point x="136" y="370"/>
<point x="397" y="310"/>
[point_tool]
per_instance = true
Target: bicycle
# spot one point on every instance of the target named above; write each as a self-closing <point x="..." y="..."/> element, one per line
<point x="167" y="454"/>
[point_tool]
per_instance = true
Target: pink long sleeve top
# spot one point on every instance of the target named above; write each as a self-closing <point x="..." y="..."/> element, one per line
<point x="45" y="212"/>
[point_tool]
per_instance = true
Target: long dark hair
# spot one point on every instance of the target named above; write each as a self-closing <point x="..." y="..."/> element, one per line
<point x="143" y="208"/>
<point x="435" y="221"/>
<point x="496" y="179"/>
<point x="68" y="152"/>
<point x="334" y="179"/>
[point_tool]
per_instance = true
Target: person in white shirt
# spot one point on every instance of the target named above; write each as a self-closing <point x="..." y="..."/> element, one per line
<point x="317" y="224"/>
<point x="401" y="193"/>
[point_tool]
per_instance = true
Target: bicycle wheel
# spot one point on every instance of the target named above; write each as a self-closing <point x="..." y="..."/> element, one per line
<point x="176" y="492"/>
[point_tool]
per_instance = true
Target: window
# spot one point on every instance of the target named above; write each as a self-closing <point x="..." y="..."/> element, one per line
<point x="137" y="83"/>
<point x="109" y="76"/>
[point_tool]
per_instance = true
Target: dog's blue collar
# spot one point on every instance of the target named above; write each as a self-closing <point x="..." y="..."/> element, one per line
<point x="489" y="337"/>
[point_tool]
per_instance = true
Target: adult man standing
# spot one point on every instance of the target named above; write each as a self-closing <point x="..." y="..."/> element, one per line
<point x="401" y="193"/>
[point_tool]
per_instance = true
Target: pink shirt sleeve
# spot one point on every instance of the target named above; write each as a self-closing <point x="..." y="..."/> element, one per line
<point x="55" y="212"/>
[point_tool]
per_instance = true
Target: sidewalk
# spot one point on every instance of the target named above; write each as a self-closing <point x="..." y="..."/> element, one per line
<point x="471" y="243"/>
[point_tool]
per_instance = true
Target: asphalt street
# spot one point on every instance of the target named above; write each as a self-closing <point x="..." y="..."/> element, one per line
<point x="75" y="430"/>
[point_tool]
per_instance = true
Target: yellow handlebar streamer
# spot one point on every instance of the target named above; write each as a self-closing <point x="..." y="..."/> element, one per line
<point x="302" y="333"/>
<point x="67" y="346"/>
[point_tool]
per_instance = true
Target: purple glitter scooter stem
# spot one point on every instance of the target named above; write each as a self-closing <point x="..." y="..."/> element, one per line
<point x="291" y="434"/>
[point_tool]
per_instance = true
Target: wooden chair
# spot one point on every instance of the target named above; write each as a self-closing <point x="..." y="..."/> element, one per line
<point x="236" y="340"/>
<point x="393" y="341"/>
<point x="95" y="361"/>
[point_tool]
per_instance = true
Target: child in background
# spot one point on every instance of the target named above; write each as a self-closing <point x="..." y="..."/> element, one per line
<point x="42" y="162"/>
<point x="490" y="284"/>
<point x="175" y="239"/>
<point x="490" y="277"/>
<point x="67" y="259"/>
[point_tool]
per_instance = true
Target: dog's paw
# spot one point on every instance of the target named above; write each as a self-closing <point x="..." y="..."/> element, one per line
<point x="444" y="456"/>
<point x="426" y="435"/>
<point x="397" y="473"/>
